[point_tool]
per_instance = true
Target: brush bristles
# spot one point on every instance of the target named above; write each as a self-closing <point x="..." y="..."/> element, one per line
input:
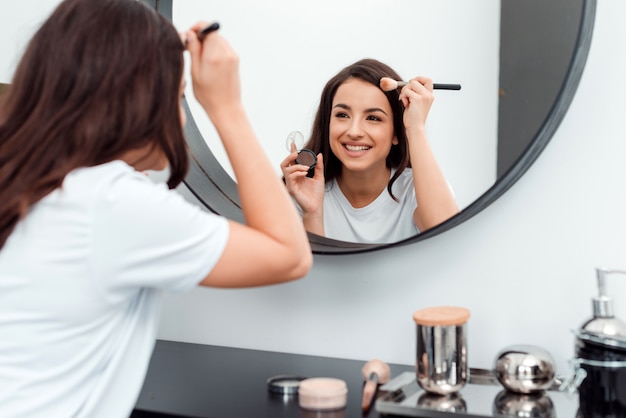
<point x="379" y="367"/>
<point x="388" y="84"/>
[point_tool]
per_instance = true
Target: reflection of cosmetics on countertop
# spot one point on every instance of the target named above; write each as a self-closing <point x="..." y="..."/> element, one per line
<point x="536" y="405"/>
<point x="388" y="84"/>
<point x="323" y="394"/>
<point x="375" y="372"/>
<point x="452" y="403"/>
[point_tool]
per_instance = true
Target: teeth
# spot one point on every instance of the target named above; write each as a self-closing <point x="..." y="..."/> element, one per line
<point x="357" y="147"/>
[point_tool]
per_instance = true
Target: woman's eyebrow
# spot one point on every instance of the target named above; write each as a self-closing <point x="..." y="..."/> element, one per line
<point x="369" y="110"/>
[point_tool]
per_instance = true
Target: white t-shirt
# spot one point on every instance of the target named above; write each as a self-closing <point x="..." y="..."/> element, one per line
<point x="81" y="279"/>
<point x="382" y="221"/>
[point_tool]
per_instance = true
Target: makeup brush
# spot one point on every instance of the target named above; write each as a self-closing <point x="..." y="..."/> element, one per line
<point x="375" y="372"/>
<point x="202" y="33"/>
<point x="388" y="84"/>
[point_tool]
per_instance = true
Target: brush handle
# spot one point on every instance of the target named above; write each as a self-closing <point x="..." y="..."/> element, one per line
<point x="369" y="391"/>
<point x="202" y="33"/>
<point x="444" y="86"/>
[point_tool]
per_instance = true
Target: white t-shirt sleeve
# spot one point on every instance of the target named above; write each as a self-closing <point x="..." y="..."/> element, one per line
<point x="148" y="236"/>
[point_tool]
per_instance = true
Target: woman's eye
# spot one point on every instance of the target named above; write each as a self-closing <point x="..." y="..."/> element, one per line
<point x="341" y="115"/>
<point x="374" y="118"/>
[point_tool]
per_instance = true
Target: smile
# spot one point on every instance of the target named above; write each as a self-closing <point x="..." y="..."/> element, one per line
<point x="357" y="147"/>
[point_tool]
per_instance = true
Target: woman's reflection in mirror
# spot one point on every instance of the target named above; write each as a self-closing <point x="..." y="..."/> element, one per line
<point x="376" y="179"/>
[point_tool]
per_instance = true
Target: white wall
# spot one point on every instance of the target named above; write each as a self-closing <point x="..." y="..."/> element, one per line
<point x="16" y="28"/>
<point x="524" y="266"/>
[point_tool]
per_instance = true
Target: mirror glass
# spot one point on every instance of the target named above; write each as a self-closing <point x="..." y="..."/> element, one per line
<point x="517" y="83"/>
<point x="290" y="49"/>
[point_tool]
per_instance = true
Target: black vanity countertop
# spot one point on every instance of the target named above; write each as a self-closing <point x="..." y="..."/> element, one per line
<point x="194" y="380"/>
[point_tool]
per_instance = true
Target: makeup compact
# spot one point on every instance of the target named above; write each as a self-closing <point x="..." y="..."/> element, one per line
<point x="284" y="384"/>
<point x="308" y="158"/>
<point x="295" y="139"/>
<point x="323" y="394"/>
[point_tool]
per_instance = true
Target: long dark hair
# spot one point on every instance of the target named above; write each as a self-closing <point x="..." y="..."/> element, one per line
<point x="371" y="71"/>
<point x="99" y="78"/>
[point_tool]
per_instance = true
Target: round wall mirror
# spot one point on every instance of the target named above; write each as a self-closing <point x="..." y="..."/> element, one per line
<point x="539" y="52"/>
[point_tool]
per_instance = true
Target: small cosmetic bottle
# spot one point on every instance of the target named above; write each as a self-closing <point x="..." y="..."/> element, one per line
<point x="601" y="358"/>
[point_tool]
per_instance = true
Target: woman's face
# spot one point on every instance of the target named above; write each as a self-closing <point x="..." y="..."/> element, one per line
<point x="361" y="126"/>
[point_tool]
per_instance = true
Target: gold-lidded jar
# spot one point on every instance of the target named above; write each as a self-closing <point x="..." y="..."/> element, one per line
<point x="441" y="354"/>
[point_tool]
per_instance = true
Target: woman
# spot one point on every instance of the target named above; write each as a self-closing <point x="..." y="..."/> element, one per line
<point x="376" y="178"/>
<point x="87" y="242"/>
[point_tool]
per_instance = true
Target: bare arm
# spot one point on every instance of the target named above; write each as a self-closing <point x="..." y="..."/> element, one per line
<point x="272" y="247"/>
<point x="435" y="201"/>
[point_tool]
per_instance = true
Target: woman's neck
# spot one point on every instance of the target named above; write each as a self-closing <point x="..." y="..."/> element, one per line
<point x="146" y="158"/>
<point x="362" y="188"/>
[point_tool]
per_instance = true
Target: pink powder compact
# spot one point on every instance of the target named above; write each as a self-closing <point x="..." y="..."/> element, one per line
<point x="323" y="394"/>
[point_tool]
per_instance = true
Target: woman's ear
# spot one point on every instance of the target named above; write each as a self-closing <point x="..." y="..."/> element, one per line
<point x="394" y="141"/>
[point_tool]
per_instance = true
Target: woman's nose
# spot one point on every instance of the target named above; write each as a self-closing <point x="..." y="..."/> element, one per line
<point x="356" y="129"/>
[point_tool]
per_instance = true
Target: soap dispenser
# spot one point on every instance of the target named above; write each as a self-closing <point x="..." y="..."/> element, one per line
<point x="601" y="353"/>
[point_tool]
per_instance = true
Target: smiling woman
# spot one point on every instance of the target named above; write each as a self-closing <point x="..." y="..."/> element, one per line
<point x="517" y="84"/>
<point x="377" y="180"/>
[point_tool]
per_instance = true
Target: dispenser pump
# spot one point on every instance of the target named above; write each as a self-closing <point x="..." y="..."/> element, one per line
<point x="604" y="321"/>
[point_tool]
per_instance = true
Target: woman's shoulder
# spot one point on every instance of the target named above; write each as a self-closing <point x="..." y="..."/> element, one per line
<point x="405" y="178"/>
<point x="111" y="180"/>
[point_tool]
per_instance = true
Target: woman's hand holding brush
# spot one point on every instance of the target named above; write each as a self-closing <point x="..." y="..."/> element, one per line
<point x="388" y="84"/>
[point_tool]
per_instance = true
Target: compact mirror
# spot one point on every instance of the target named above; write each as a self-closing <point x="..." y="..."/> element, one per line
<point x="295" y="139"/>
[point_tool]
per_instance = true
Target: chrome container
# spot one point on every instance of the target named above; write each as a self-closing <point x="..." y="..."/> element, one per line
<point x="524" y="368"/>
<point x="441" y="356"/>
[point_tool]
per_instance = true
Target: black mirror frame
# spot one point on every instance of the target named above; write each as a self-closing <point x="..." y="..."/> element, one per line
<point x="217" y="191"/>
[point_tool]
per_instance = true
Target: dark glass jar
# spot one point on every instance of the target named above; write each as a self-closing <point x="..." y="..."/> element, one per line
<point x="602" y="394"/>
